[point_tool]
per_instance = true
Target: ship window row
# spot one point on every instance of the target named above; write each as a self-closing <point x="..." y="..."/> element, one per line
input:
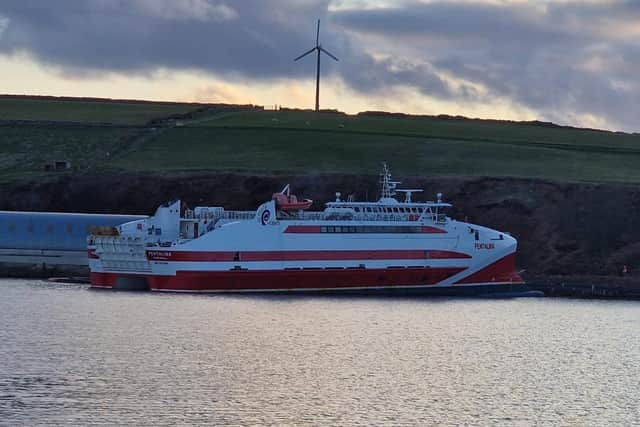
<point x="371" y="229"/>
<point x="400" y="209"/>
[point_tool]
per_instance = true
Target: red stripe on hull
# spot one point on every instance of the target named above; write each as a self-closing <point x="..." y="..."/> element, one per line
<point x="433" y="230"/>
<point x="302" y="255"/>
<point x="501" y="271"/>
<point x="304" y="229"/>
<point x="247" y="280"/>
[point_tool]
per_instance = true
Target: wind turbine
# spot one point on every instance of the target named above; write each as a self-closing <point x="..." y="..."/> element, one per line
<point x="318" y="48"/>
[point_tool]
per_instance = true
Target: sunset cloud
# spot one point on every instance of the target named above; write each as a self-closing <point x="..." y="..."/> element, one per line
<point x="573" y="62"/>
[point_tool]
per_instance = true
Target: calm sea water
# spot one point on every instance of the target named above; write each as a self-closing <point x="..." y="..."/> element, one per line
<point x="69" y="355"/>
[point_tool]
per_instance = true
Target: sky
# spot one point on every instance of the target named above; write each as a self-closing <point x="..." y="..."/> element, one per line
<point x="567" y="61"/>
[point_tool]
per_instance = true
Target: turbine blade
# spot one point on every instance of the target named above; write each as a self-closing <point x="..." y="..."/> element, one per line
<point x="327" y="52"/>
<point x="305" y="54"/>
<point x="318" y="34"/>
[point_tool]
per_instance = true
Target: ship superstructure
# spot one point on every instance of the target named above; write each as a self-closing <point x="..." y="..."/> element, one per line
<point x="389" y="245"/>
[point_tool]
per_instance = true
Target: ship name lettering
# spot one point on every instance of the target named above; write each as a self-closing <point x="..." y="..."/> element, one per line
<point x="159" y="254"/>
<point x="487" y="246"/>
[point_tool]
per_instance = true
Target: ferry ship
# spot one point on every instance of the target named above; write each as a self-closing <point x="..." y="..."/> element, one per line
<point x="389" y="246"/>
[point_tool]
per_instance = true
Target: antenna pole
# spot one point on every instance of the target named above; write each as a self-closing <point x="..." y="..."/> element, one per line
<point x="318" y="68"/>
<point x="318" y="83"/>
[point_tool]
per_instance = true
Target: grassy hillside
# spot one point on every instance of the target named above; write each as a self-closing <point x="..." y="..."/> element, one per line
<point x="87" y="111"/>
<point x="433" y="127"/>
<point x="298" y="141"/>
<point x="307" y="151"/>
<point x="25" y="149"/>
<point x="307" y="142"/>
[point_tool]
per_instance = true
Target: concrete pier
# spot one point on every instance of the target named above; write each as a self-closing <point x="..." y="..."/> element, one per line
<point x="627" y="288"/>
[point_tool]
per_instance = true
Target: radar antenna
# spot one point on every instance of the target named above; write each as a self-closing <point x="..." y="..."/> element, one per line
<point x="408" y="193"/>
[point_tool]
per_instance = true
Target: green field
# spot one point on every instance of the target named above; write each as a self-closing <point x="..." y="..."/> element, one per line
<point x="307" y="142"/>
<point x="25" y="149"/>
<point x="429" y="127"/>
<point x="307" y="151"/>
<point x="121" y="113"/>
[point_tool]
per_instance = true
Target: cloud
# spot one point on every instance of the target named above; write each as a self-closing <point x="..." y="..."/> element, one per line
<point x="4" y="23"/>
<point x="199" y="10"/>
<point x="255" y="38"/>
<point x="219" y="92"/>
<point x="570" y="61"/>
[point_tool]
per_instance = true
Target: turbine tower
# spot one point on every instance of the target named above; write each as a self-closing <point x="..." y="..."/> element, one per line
<point x="318" y="48"/>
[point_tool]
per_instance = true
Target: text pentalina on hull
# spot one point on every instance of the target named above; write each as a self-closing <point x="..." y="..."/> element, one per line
<point x="385" y="246"/>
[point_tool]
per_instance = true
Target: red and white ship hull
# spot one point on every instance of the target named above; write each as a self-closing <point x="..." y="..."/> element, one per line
<point x="303" y="260"/>
<point x="409" y="279"/>
<point x="383" y="246"/>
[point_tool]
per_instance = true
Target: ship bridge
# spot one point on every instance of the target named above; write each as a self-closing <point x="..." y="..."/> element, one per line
<point x="388" y="208"/>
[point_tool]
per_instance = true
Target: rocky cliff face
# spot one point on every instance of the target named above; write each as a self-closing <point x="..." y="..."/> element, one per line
<point x="565" y="230"/>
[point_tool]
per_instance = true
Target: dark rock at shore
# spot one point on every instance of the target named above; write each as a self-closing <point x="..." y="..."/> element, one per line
<point x="564" y="229"/>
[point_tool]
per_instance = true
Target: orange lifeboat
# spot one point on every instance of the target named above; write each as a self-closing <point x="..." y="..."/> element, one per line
<point x="289" y="202"/>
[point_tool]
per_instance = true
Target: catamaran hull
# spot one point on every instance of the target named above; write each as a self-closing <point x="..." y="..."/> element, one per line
<point x="498" y="276"/>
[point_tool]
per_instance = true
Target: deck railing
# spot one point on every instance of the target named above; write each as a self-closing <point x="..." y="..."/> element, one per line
<point x="363" y="216"/>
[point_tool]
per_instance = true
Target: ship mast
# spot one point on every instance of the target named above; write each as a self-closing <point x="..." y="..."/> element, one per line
<point x="388" y="186"/>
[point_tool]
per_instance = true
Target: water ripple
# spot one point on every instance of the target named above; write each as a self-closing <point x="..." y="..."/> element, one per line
<point x="70" y="356"/>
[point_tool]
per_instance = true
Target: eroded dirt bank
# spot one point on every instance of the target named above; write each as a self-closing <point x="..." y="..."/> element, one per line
<point x="566" y="231"/>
